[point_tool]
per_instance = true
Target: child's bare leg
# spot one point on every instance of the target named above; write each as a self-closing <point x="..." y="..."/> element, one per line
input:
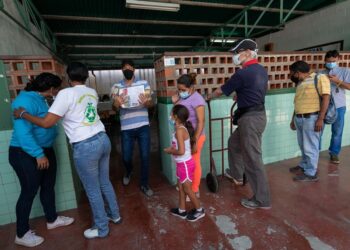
<point x="182" y="197"/>
<point x="187" y="187"/>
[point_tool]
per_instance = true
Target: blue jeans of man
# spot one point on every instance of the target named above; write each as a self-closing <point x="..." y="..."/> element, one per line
<point x="309" y="142"/>
<point x="337" y="132"/>
<point x="91" y="158"/>
<point x="142" y="135"/>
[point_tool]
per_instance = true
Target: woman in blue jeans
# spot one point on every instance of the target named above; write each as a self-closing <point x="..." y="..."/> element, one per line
<point x="32" y="157"/>
<point x="77" y="106"/>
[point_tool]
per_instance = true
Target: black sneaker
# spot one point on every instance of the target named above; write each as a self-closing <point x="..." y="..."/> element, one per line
<point x="306" y="178"/>
<point x="335" y="159"/>
<point x="296" y="169"/>
<point x="253" y="204"/>
<point x="195" y="215"/>
<point x="176" y="212"/>
<point x="147" y="191"/>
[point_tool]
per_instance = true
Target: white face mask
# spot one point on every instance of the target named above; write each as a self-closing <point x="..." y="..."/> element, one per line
<point x="236" y="60"/>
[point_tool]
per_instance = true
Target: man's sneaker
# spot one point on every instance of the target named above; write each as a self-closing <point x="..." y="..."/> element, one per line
<point x="61" y="221"/>
<point x="30" y="239"/>
<point x="147" y="191"/>
<point x="126" y="179"/>
<point x="296" y="169"/>
<point x="115" y="221"/>
<point x="306" y="178"/>
<point x="91" y="233"/>
<point x="253" y="204"/>
<point x="230" y="177"/>
<point x="195" y="215"/>
<point x="176" y="212"/>
<point x="335" y="159"/>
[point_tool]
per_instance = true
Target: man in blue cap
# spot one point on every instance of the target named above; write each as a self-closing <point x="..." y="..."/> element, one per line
<point x="244" y="145"/>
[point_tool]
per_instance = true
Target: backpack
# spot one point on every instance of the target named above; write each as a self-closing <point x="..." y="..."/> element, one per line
<point x="331" y="114"/>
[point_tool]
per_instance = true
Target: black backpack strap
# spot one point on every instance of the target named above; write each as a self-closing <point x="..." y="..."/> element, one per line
<point x="316" y="87"/>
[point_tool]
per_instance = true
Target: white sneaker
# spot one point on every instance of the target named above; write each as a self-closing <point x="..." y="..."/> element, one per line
<point x="30" y="239"/>
<point x="115" y="221"/>
<point x="61" y="221"/>
<point x="91" y="233"/>
<point x="126" y="179"/>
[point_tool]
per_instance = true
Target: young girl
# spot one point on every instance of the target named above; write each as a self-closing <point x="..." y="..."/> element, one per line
<point x="182" y="143"/>
<point x="194" y="102"/>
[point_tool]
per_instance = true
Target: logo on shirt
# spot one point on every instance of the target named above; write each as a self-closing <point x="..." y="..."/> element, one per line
<point x="90" y="114"/>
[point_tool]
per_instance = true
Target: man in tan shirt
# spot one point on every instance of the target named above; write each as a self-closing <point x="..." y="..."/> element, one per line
<point x="309" y="113"/>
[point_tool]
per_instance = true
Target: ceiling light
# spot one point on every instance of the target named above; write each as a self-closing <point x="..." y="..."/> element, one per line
<point x="152" y="5"/>
<point x="222" y="40"/>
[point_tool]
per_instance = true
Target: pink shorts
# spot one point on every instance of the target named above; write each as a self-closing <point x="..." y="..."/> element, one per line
<point x="185" y="170"/>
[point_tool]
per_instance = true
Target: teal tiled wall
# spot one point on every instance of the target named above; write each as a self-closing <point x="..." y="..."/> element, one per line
<point x="279" y="141"/>
<point x="10" y="188"/>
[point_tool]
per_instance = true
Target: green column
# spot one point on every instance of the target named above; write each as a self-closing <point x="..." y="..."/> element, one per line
<point x="5" y="103"/>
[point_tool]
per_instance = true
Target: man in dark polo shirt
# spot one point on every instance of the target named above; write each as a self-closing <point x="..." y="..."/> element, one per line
<point x="244" y="145"/>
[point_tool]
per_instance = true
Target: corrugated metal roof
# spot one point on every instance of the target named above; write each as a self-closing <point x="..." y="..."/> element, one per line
<point x="108" y="27"/>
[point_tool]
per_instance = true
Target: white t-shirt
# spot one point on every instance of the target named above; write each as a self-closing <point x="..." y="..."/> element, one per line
<point x="78" y="107"/>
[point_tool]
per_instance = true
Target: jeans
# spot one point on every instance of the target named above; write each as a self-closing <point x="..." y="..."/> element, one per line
<point x="142" y="135"/>
<point x="309" y="142"/>
<point x="337" y="132"/>
<point x="91" y="158"/>
<point x="30" y="179"/>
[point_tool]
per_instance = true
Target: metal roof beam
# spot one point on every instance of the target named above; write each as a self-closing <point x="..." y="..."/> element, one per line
<point x="258" y="20"/>
<point x="127" y="46"/>
<point x="128" y="36"/>
<point x="145" y="21"/>
<point x="239" y="6"/>
<point x="240" y="15"/>
<point x="282" y="20"/>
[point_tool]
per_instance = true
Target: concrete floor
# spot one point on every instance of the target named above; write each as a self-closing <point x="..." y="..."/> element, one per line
<point x="303" y="215"/>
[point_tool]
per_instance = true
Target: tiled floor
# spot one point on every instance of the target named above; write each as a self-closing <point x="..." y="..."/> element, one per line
<point x="303" y="216"/>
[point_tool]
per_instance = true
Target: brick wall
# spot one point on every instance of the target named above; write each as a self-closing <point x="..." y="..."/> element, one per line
<point x="214" y="69"/>
<point x="19" y="70"/>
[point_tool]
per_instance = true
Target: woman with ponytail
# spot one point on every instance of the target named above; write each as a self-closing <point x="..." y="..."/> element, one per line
<point x="183" y="141"/>
<point x="32" y="157"/>
<point x="195" y="104"/>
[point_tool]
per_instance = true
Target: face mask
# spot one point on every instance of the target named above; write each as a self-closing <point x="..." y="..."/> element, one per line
<point x="331" y="65"/>
<point x="171" y="122"/>
<point x="128" y="74"/>
<point x="184" y="95"/>
<point x="294" y="79"/>
<point x="236" y="60"/>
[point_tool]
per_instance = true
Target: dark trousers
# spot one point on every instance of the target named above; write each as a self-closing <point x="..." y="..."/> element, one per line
<point x="142" y="135"/>
<point x="31" y="179"/>
<point x="245" y="155"/>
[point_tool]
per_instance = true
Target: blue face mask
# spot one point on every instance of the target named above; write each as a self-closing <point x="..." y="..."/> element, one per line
<point x="184" y="95"/>
<point x="331" y="65"/>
